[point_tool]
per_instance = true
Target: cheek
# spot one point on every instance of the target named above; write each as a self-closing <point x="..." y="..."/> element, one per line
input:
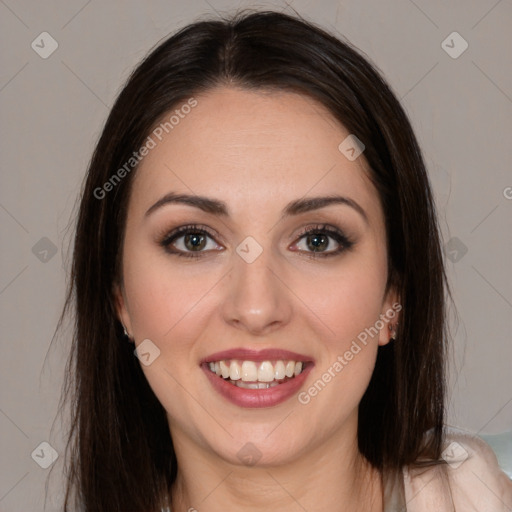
<point x="357" y="305"/>
<point x="162" y="299"/>
<point x="349" y="344"/>
<point x="347" y="299"/>
<point x="166" y="307"/>
<point x="150" y="301"/>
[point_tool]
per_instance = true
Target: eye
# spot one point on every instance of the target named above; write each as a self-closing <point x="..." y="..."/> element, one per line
<point x="192" y="241"/>
<point x="322" y="241"/>
<point x="187" y="240"/>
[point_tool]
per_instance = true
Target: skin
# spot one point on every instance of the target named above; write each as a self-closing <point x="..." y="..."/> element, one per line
<point x="258" y="151"/>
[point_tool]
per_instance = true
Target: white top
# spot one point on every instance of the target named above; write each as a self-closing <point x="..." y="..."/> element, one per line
<point x="470" y="481"/>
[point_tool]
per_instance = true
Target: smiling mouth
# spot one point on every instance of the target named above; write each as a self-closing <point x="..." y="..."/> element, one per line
<point x="257" y="375"/>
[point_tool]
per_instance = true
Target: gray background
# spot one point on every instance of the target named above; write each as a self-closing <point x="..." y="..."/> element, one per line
<point x="53" y="110"/>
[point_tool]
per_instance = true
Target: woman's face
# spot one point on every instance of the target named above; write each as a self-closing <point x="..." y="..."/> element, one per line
<point x="246" y="280"/>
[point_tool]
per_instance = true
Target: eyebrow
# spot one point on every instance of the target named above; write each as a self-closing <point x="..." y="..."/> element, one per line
<point x="216" y="207"/>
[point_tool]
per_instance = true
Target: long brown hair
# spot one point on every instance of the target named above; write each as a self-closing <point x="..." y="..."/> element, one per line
<point x="119" y="446"/>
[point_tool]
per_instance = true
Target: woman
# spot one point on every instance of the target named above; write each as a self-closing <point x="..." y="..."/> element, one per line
<point x="259" y="290"/>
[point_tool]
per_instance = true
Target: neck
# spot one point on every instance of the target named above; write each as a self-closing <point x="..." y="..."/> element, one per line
<point x="331" y="476"/>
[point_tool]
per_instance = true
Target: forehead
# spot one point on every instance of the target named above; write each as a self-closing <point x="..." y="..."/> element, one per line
<point x="252" y="148"/>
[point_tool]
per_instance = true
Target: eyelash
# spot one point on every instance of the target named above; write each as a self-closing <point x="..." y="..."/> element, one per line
<point x="344" y="242"/>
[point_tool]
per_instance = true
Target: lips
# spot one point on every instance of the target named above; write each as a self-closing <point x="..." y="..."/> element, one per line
<point x="256" y="378"/>
<point x="256" y="355"/>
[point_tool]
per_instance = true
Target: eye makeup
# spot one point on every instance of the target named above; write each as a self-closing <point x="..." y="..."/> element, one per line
<point x="197" y="234"/>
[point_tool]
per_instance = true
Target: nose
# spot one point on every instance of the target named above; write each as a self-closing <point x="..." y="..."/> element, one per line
<point x="256" y="297"/>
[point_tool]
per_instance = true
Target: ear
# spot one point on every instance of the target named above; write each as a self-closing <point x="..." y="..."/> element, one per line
<point x="390" y="316"/>
<point x="121" y="309"/>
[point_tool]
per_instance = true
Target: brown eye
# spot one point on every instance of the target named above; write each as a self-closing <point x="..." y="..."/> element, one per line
<point x="323" y="241"/>
<point x="194" y="242"/>
<point x="186" y="240"/>
<point x="317" y="242"/>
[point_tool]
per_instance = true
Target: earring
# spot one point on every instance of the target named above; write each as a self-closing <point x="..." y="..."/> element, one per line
<point x="126" y="335"/>
<point x="393" y="328"/>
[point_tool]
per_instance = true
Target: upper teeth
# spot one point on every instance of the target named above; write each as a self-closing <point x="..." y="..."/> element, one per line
<point x="249" y="371"/>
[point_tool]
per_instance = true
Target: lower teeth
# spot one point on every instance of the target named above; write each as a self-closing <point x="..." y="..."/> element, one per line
<point x="256" y="385"/>
<point x="253" y="385"/>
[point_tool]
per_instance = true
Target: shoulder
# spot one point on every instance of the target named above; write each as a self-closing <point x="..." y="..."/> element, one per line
<point x="470" y="480"/>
